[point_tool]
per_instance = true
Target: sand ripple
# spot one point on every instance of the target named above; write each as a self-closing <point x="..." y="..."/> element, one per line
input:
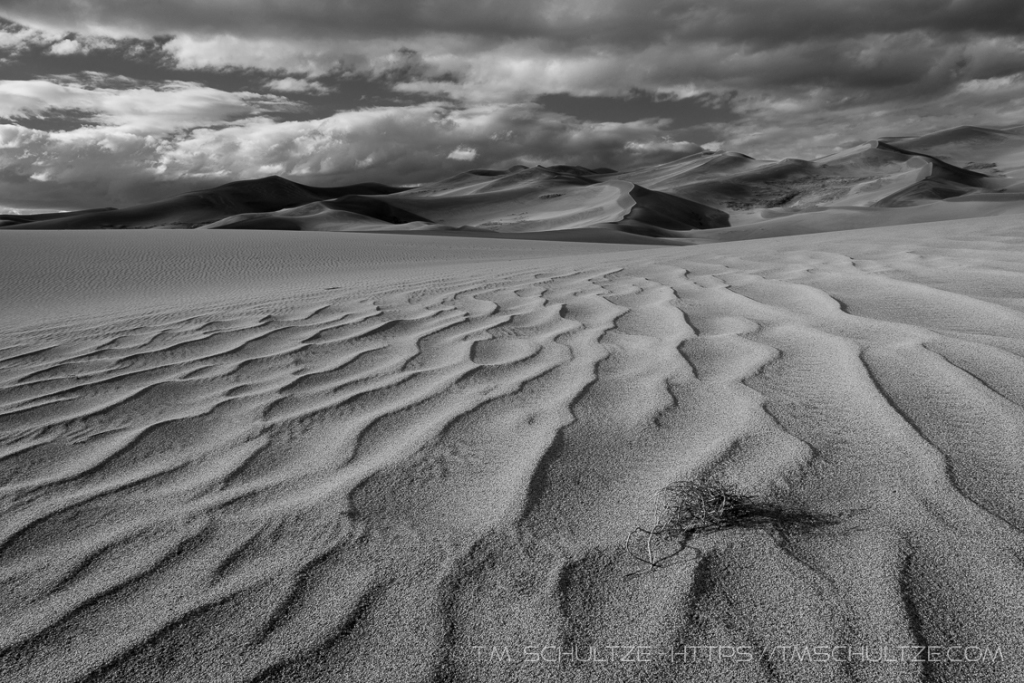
<point x="364" y="488"/>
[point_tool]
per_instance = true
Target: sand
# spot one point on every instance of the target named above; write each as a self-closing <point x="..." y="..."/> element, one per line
<point x="251" y="455"/>
<point x="375" y="433"/>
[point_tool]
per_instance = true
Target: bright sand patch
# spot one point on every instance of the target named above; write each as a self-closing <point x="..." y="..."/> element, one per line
<point x="235" y="456"/>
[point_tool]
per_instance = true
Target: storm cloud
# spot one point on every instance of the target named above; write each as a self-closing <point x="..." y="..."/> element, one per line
<point x="183" y="92"/>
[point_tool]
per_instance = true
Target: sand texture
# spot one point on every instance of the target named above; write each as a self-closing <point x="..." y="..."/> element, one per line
<point x="253" y="455"/>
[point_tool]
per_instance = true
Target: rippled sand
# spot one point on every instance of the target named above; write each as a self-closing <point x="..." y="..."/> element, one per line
<point x="240" y="456"/>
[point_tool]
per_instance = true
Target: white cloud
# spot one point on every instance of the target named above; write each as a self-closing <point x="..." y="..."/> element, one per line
<point x="310" y="58"/>
<point x="463" y="153"/>
<point x="175" y="105"/>
<point x="67" y="47"/>
<point x="20" y="38"/>
<point x="290" y="84"/>
<point x="80" y="45"/>
<point x="680" y="147"/>
<point x="989" y="86"/>
<point x="514" y="71"/>
<point x="103" y="165"/>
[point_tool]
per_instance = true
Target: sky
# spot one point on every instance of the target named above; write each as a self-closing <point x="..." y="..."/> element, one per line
<point x="115" y="102"/>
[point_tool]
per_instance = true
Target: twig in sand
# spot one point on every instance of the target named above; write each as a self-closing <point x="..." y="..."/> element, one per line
<point x="699" y="508"/>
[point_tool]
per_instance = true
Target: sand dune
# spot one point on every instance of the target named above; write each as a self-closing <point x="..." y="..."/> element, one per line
<point x="536" y="202"/>
<point x="519" y="200"/>
<point x="542" y="199"/>
<point x="275" y="456"/>
<point x="782" y="222"/>
<point x="992" y="151"/>
<point x="356" y="213"/>
<point x="16" y="220"/>
<point x="725" y="196"/>
<point x="871" y="174"/>
<point x="194" y="209"/>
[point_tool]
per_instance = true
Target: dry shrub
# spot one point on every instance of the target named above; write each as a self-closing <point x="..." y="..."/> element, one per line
<point x="694" y="509"/>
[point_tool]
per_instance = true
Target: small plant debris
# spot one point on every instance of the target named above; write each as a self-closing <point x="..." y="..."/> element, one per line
<point x="694" y="509"/>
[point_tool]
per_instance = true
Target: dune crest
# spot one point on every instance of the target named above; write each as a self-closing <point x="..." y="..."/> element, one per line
<point x="708" y="196"/>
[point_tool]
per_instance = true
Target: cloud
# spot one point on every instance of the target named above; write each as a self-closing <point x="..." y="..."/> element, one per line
<point x="796" y="78"/>
<point x="463" y="153"/>
<point x="411" y="142"/>
<point x="225" y="51"/>
<point x="489" y="51"/>
<point x="313" y="36"/>
<point x="97" y="166"/>
<point x="67" y="47"/>
<point x="675" y="147"/>
<point x="568" y="21"/>
<point x="83" y="45"/>
<point x="174" y="105"/>
<point x="822" y="123"/>
<point x="290" y="84"/>
<point x="15" y="38"/>
<point x="345" y="18"/>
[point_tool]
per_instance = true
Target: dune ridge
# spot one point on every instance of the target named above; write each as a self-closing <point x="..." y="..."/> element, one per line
<point x="707" y="196"/>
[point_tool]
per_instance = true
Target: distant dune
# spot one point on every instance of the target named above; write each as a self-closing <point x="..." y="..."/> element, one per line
<point x="710" y="191"/>
<point x="996" y="152"/>
<point x="549" y="424"/>
<point x="194" y="209"/>
<point x="871" y="174"/>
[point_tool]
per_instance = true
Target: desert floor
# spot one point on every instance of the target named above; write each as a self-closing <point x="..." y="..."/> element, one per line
<point x="250" y="455"/>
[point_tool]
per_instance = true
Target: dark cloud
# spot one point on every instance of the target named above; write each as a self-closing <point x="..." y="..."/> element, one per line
<point x="763" y="24"/>
<point x="691" y="113"/>
<point x="393" y="90"/>
<point x="715" y="45"/>
<point x="562" y="19"/>
<point x="754" y="22"/>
